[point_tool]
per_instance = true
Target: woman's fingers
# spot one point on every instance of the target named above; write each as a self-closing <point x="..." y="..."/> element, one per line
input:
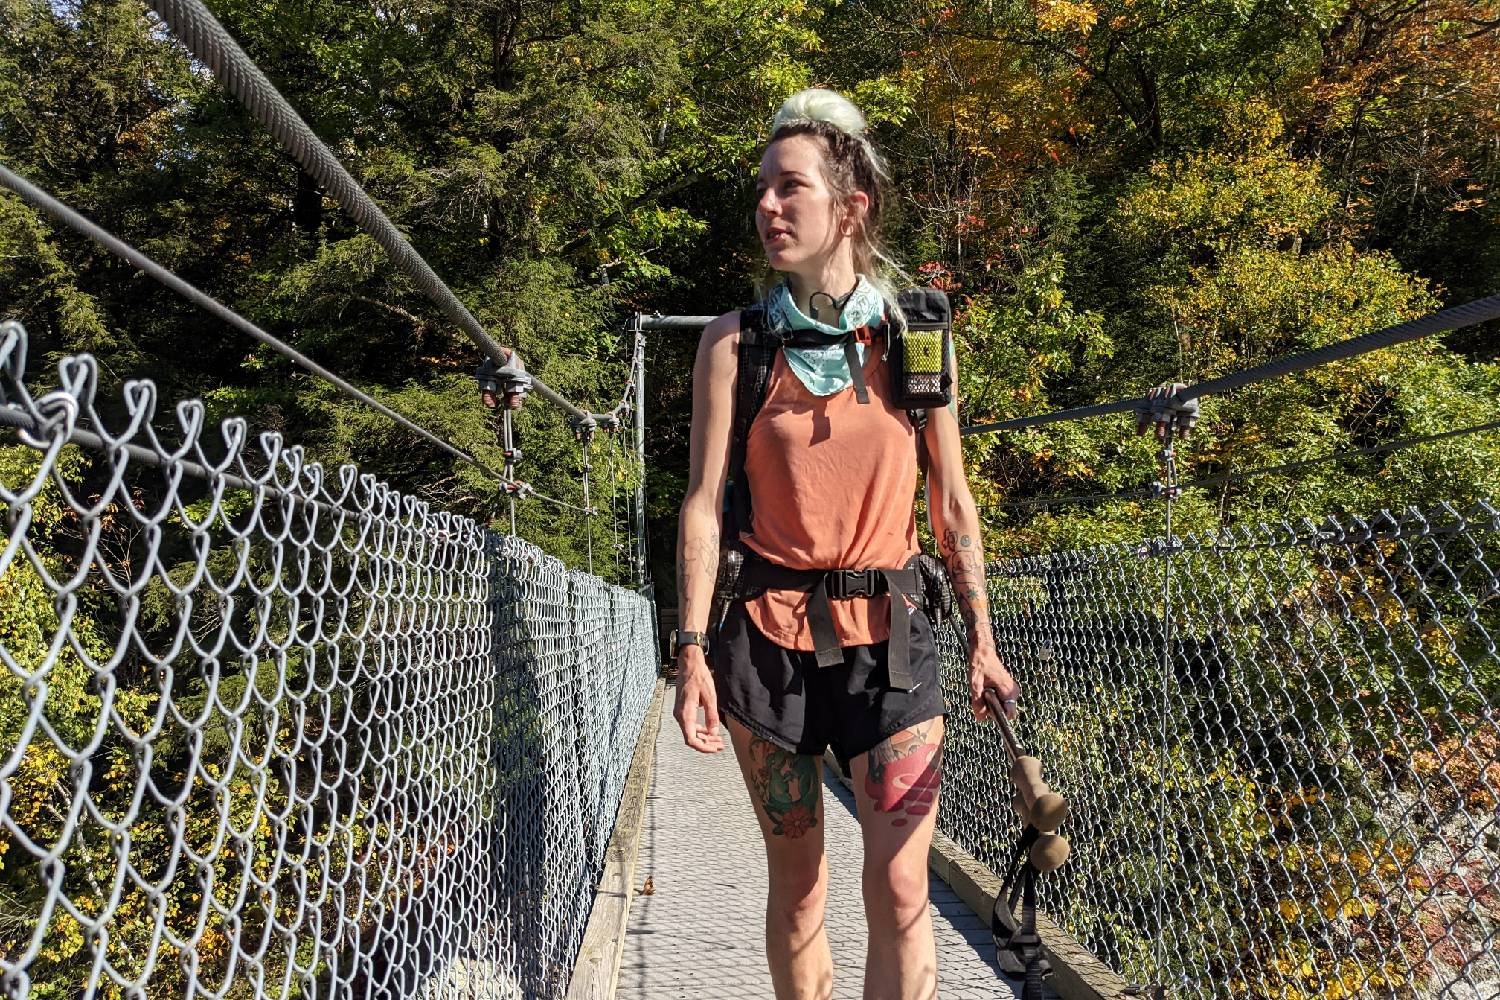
<point x="707" y="738"/>
<point x="998" y="680"/>
<point x="1007" y="705"/>
<point x="693" y="699"/>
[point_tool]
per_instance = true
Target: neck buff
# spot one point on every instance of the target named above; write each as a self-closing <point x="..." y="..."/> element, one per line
<point x="823" y="370"/>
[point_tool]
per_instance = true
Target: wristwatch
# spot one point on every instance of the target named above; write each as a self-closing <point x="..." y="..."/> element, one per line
<point x="680" y="639"/>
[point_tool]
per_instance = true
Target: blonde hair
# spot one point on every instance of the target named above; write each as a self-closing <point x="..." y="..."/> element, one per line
<point x="850" y="163"/>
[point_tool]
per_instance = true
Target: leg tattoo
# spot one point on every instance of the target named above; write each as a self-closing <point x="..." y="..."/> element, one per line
<point x="904" y="773"/>
<point x="787" y="785"/>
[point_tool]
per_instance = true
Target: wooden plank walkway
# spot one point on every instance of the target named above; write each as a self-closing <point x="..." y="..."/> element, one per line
<point x="699" y="934"/>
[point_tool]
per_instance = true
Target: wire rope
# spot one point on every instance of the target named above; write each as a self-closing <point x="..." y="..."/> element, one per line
<point x="588" y="521"/>
<point x="1444" y="321"/>
<point x="203" y="35"/>
<point x="525" y="491"/>
<point x="1239" y="477"/>
<point x="1168" y="620"/>
<point x="88" y="228"/>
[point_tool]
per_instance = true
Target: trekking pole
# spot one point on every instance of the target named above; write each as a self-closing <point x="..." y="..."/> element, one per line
<point x="1039" y="848"/>
<point x="1036" y="804"/>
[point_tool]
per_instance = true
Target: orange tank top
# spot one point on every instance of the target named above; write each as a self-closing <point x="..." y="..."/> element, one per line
<point x="832" y="486"/>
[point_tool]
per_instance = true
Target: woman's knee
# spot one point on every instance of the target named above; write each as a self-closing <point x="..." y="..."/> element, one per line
<point x="898" y="887"/>
<point x="799" y="882"/>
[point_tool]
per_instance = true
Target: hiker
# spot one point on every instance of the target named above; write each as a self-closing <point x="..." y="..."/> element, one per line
<point x="812" y="652"/>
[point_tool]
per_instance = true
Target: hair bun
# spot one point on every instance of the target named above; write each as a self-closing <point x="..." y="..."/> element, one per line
<point x="815" y="104"/>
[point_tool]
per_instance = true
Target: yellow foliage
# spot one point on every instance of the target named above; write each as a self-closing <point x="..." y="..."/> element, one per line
<point x="1064" y="15"/>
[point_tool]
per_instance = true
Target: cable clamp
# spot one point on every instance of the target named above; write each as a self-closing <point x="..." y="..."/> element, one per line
<point x="584" y="426"/>
<point x="510" y="380"/>
<point x="1162" y="408"/>
<point x="59" y="413"/>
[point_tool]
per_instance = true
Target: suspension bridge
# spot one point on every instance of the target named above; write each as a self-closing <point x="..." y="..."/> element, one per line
<point x="312" y="737"/>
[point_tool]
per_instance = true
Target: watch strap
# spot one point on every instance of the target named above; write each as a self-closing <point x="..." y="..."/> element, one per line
<point x="680" y="639"/>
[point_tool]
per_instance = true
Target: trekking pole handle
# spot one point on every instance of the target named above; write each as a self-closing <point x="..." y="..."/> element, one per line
<point x="997" y="709"/>
<point x="1035" y="803"/>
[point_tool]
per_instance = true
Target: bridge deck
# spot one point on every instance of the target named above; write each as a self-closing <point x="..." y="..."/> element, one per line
<point x="699" y="934"/>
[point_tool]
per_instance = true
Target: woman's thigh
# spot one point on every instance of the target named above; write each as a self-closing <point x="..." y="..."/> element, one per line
<point x="896" y="786"/>
<point x="786" y="789"/>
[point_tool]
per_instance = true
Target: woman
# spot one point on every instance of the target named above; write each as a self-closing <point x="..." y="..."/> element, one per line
<point x="832" y="481"/>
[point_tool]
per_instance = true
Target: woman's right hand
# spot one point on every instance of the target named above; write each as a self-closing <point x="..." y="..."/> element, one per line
<point x="695" y="692"/>
<point x="714" y="374"/>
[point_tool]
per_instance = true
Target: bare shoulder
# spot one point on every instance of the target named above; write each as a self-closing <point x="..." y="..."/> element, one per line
<point x="717" y="346"/>
<point x="722" y="329"/>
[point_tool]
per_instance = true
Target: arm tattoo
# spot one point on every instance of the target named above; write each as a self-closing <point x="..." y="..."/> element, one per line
<point x="699" y="556"/>
<point x="904" y="773"/>
<point x="786" y="786"/>
<point x="965" y="561"/>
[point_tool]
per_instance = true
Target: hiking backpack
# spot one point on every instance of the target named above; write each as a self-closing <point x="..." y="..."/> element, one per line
<point x="919" y="339"/>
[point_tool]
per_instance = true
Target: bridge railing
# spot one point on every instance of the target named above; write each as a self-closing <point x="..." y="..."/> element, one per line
<point x="270" y="730"/>
<point x="1285" y="780"/>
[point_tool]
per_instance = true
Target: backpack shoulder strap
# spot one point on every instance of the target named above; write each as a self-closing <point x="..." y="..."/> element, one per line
<point x="929" y="307"/>
<point x="756" y="356"/>
<point x="892" y="326"/>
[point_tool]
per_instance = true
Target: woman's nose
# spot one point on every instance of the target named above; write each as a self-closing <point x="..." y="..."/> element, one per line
<point x="768" y="205"/>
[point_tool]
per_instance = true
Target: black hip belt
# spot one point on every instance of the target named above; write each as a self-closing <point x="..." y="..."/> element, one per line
<point x="823" y="585"/>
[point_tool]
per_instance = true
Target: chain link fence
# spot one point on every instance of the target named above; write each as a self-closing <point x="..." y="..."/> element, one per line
<point x="268" y="730"/>
<point x="1284" y="782"/>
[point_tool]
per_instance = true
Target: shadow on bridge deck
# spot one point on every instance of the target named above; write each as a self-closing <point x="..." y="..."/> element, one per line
<point x="698" y="935"/>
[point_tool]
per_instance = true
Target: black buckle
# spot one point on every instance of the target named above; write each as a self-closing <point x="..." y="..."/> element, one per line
<point x="846" y="583"/>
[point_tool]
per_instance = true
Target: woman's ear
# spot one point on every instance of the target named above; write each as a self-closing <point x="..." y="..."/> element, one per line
<point x="856" y="213"/>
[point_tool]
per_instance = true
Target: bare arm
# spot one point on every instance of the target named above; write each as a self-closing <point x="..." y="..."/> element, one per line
<point x="698" y="525"/>
<point x="955" y="523"/>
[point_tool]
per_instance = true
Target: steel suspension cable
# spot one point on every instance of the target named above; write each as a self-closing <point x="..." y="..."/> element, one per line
<point x="92" y="230"/>
<point x="1240" y="477"/>
<point x="1443" y="321"/>
<point x="525" y="491"/>
<point x="203" y="35"/>
<point x="1446" y="320"/>
<point x="588" y="521"/>
<point x="1168" y="621"/>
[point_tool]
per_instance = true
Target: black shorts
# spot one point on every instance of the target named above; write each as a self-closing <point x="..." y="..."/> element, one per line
<point x="783" y="696"/>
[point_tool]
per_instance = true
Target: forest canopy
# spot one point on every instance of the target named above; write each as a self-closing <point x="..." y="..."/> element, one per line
<point x="1116" y="194"/>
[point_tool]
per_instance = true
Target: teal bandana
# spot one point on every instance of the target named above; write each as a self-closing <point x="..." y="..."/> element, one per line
<point x="823" y="369"/>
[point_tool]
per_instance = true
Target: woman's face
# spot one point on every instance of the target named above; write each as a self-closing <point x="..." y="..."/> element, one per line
<point x="795" y="212"/>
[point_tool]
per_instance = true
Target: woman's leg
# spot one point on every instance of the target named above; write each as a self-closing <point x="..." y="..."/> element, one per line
<point x="787" y="790"/>
<point x="896" y="786"/>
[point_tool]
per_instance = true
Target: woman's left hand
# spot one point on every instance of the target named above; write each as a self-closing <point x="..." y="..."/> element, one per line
<point x="986" y="671"/>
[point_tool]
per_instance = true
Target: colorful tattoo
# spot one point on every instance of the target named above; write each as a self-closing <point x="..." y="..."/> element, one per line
<point x="904" y="773"/>
<point x="787" y="785"/>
